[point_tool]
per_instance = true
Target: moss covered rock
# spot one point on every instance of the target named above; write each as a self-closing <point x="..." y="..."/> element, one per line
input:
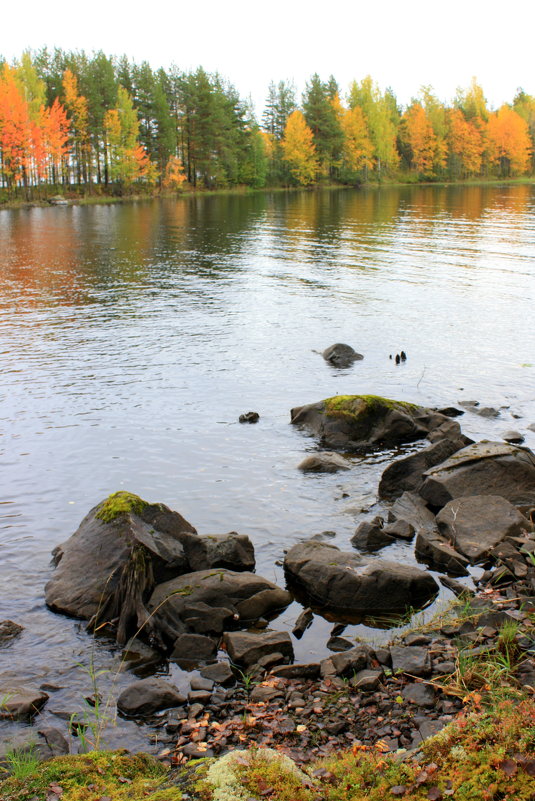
<point x="359" y="422"/>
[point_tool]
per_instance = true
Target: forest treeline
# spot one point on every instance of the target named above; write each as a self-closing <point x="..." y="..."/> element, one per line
<point x="72" y="121"/>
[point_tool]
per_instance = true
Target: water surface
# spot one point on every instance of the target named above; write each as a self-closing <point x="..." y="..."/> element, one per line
<point x="133" y="336"/>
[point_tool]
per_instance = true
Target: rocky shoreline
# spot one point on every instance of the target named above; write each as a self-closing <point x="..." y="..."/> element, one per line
<point x="142" y="574"/>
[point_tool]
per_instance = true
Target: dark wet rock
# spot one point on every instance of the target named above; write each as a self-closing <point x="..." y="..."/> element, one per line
<point x="383" y="656"/>
<point x="513" y="436"/>
<point x="147" y="696"/>
<point x="449" y="429"/>
<point x="340" y="355"/>
<point x="249" y="417"/>
<point x="21" y="703"/>
<point x="348" y="662"/>
<point x="439" y="554"/>
<point x="407" y="474"/>
<point x="220" y="672"/>
<point x="195" y="648"/>
<point x="326" y="462"/>
<point x="199" y="697"/>
<point x="350" y="584"/>
<point x="413" y="509"/>
<point x="197" y="751"/>
<point x="51" y="744"/>
<point x="419" y="694"/>
<point x="370" y="535"/>
<point x="416" y="638"/>
<point x="246" y="648"/>
<point x="456" y="587"/>
<point x="484" y="468"/>
<point x="268" y="661"/>
<point x="109" y="566"/>
<point x="308" y="670"/>
<point x="140" y="657"/>
<point x="8" y="631"/>
<point x="339" y="644"/>
<point x="205" y="619"/>
<point x="200" y="683"/>
<point x="360" y="422"/>
<point x="451" y="411"/>
<point x="367" y="680"/>
<point x="443" y="668"/>
<point x="303" y="622"/>
<point x="410" y="659"/>
<point x="400" y="530"/>
<point x="476" y="524"/>
<point x="209" y="551"/>
<point x="246" y="595"/>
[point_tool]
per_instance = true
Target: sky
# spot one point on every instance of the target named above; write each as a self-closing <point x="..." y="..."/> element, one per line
<point x="402" y="45"/>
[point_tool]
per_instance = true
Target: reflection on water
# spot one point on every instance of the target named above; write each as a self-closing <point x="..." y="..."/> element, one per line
<point x="133" y="336"/>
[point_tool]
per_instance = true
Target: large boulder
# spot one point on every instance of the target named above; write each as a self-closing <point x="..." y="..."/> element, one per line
<point x="359" y="422"/>
<point x="407" y="474"/>
<point x="110" y="565"/>
<point x="341" y="355"/>
<point x="353" y="586"/>
<point x="483" y="468"/>
<point x="476" y="524"/>
<point x="234" y="597"/>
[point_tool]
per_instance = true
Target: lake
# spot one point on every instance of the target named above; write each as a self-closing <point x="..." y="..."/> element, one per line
<point x="133" y="336"/>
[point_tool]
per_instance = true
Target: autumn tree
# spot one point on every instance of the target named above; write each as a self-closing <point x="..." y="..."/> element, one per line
<point x="524" y="105"/>
<point x="299" y="150"/>
<point x="382" y="119"/>
<point x="15" y="129"/>
<point x="416" y="132"/>
<point x="508" y="141"/>
<point x="323" y="121"/>
<point x="465" y="144"/>
<point x="129" y="161"/>
<point x="357" y="148"/>
<point x="77" y="109"/>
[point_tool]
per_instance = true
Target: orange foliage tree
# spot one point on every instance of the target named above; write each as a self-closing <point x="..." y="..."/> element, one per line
<point x="427" y="151"/>
<point x="465" y="142"/>
<point x="15" y="130"/>
<point x="508" y="142"/>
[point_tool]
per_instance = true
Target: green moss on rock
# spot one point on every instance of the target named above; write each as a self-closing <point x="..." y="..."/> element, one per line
<point x="119" y="503"/>
<point x="355" y="406"/>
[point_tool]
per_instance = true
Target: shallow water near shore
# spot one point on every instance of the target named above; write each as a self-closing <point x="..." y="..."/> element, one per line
<point x="133" y="336"/>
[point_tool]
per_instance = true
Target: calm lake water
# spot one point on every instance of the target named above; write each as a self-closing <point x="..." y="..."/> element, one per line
<point x="133" y="336"/>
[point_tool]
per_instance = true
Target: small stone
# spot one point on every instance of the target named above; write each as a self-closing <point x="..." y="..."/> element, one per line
<point x="367" y="680"/>
<point x="419" y="694"/>
<point x="9" y="630"/>
<point x="262" y="693"/>
<point x="415" y="638"/>
<point x="326" y="462"/>
<point x="197" y="751"/>
<point x="309" y="670"/>
<point x="200" y="683"/>
<point x="147" y="696"/>
<point x="249" y="417"/>
<point x="199" y="697"/>
<point x="220" y="672"/>
<point x="339" y="644"/>
<point x="195" y="710"/>
<point x="302" y="623"/>
<point x="193" y="648"/>
<point x="21" y="703"/>
<point x="515" y="437"/>
<point x="400" y="529"/>
<point x="413" y="660"/>
<point x="443" y="668"/>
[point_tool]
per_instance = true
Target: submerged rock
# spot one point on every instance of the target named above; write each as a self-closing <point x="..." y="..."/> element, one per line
<point x="359" y="422"/>
<point x="21" y="703"/>
<point x="326" y="462"/>
<point x="354" y="586"/>
<point x="484" y="468"/>
<point x="340" y="355"/>
<point x="9" y="630"/>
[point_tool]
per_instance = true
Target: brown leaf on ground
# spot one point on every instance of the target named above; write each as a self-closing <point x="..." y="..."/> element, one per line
<point x="509" y="767"/>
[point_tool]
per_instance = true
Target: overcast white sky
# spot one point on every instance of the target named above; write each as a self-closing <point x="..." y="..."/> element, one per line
<point x="401" y="44"/>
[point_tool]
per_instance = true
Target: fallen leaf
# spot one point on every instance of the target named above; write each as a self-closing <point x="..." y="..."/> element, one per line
<point x="434" y="794"/>
<point x="55" y="788"/>
<point x="508" y="766"/>
<point x="398" y="789"/>
<point x="529" y="767"/>
<point x="301" y="728"/>
<point x="123" y="780"/>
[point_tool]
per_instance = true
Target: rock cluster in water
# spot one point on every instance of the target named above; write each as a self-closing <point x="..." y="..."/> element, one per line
<point x="135" y="568"/>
